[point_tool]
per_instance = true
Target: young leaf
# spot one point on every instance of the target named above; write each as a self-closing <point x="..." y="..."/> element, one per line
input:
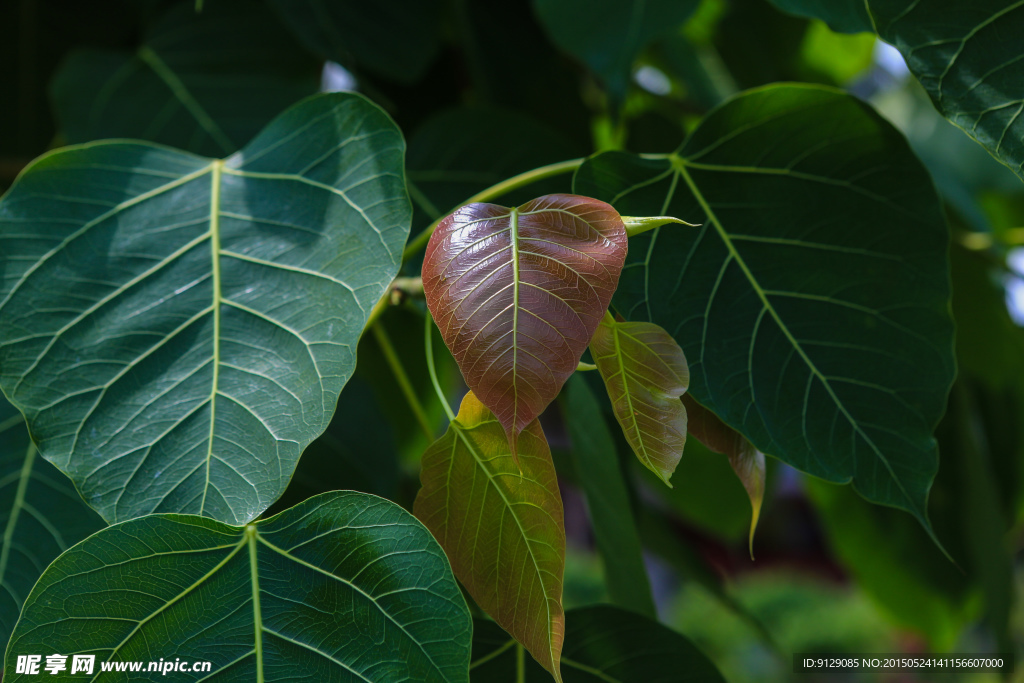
<point x="746" y="461"/>
<point x="813" y="303"/>
<point x="517" y="294"/>
<point x="345" y="586"/>
<point x="177" y="329"/>
<point x="500" y="524"/>
<point x="206" y="83"/>
<point x="41" y="514"/>
<point x="603" y="644"/>
<point x="645" y="373"/>
<point x="967" y="56"/>
<point x="611" y="514"/>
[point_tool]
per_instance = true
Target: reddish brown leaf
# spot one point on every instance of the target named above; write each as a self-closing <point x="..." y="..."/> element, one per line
<point x="518" y="293"/>
<point x="746" y="461"/>
<point x="501" y="525"/>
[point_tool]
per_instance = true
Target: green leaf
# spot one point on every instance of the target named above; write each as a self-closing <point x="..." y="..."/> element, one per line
<point x="967" y="56"/>
<point x="517" y="294"/>
<point x="343" y="587"/>
<point x="600" y="475"/>
<point x="609" y="35"/>
<point x="746" y="461"/>
<point x="206" y="83"/>
<point x="500" y="522"/>
<point x="813" y="304"/>
<point x="177" y="329"/>
<point x="394" y="38"/>
<point x="645" y="373"/>
<point x="41" y="515"/>
<point x="844" y="16"/>
<point x="603" y="644"/>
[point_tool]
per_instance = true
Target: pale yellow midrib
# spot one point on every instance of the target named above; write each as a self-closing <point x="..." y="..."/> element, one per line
<point x="215" y="172"/>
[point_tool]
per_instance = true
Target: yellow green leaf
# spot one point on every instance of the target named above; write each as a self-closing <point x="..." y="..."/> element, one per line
<point x="645" y="373"/>
<point x="501" y="525"/>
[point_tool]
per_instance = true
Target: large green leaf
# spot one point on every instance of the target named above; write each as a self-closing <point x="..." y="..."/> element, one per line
<point x="177" y="329"/>
<point x="597" y="467"/>
<point x="845" y="16"/>
<point x="501" y="524"/>
<point x="813" y="303"/>
<point x="603" y="644"/>
<point x="968" y="58"/>
<point x="608" y="35"/>
<point x="395" y="38"/>
<point x="344" y="587"/>
<point x="205" y="82"/>
<point x="41" y="515"/>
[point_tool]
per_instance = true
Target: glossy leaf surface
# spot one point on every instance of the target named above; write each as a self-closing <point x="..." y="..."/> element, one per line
<point x="500" y="524"/>
<point x="518" y="293"/>
<point x="177" y="329"/>
<point x="252" y="600"/>
<point x="603" y="644"/>
<point x="844" y="16"/>
<point x="967" y="56"/>
<point x="203" y="82"/>
<point x="395" y="38"/>
<point x="608" y="35"/>
<point x="826" y="341"/>
<point x="645" y="373"/>
<point x="746" y="461"/>
<point x="41" y="516"/>
<point x="611" y="514"/>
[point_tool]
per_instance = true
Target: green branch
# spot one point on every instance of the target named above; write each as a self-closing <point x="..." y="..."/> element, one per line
<point x="403" y="379"/>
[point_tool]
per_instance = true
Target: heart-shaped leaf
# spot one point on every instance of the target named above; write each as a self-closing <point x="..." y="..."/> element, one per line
<point x="177" y="329"/>
<point x="205" y="82"/>
<point x="608" y="499"/>
<point x="746" y="461"/>
<point x="41" y="515"/>
<point x="500" y="524"/>
<point x="345" y="586"/>
<point x="645" y="373"/>
<point x="967" y="56"/>
<point x="517" y="294"/>
<point x="813" y="303"/>
<point x="603" y="644"/>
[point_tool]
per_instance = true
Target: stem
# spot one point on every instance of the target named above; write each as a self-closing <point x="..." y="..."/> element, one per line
<point x="492" y="192"/>
<point x="403" y="379"/>
<point x="429" y="340"/>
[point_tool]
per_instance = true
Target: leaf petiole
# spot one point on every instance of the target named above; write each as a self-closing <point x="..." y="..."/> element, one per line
<point x="429" y="341"/>
<point x="403" y="379"/>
